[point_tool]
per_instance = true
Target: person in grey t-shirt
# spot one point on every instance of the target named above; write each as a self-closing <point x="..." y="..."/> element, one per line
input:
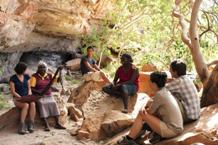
<point x="162" y="115"/>
<point x="90" y="69"/>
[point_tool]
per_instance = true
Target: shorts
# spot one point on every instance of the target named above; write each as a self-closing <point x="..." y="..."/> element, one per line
<point x="129" y="89"/>
<point x="166" y="132"/>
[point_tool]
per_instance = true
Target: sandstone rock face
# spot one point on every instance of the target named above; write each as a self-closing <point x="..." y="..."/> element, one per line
<point x="204" y="131"/>
<point x="70" y="18"/>
<point x="144" y="79"/>
<point x="16" y="22"/>
<point x="115" y="122"/>
<point x="74" y="113"/>
<point x="19" y="18"/>
<point x="145" y="83"/>
<point x="102" y="113"/>
<point x="73" y="65"/>
<point x="148" y="68"/>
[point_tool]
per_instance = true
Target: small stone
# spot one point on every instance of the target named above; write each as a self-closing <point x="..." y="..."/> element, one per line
<point x="83" y="134"/>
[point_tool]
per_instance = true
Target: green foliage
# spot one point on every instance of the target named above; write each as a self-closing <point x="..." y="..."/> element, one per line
<point x="1" y="71"/>
<point x="71" y="80"/>
<point x="3" y="103"/>
<point x="147" y="30"/>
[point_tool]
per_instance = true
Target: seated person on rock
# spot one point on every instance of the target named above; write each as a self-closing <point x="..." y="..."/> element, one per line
<point x="162" y="115"/>
<point x="47" y="105"/>
<point x="185" y="92"/>
<point x="20" y="86"/>
<point x="89" y="68"/>
<point x="125" y="82"/>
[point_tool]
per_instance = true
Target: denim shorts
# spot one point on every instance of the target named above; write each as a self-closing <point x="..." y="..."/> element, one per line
<point x="129" y="89"/>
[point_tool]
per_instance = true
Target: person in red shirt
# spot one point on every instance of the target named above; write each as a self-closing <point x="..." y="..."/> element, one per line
<point x="125" y="83"/>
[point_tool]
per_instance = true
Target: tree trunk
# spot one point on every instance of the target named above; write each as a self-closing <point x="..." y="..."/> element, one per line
<point x="191" y="39"/>
<point x="198" y="59"/>
<point x="210" y="92"/>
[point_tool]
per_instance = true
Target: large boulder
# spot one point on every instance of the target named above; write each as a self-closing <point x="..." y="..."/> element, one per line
<point x="74" y="64"/>
<point x="19" y="18"/>
<point x="204" y="131"/>
<point x="144" y="79"/>
<point x="102" y="113"/>
<point x="145" y="83"/>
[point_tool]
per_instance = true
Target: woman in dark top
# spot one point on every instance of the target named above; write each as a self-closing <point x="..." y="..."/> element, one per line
<point x="20" y="86"/>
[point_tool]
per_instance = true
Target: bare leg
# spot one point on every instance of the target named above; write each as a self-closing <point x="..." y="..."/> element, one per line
<point x="125" y="102"/>
<point x="47" y="127"/>
<point x="125" y="98"/>
<point x="24" y="110"/>
<point x="153" y="122"/>
<point x="32" y="111"/>
<point x="136" y="127"/>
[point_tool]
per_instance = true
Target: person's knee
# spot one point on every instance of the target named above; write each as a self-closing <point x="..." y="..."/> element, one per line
<point x="32" y="104"/>
<point x="26" y="106"/>
<point x="124" y="90"/>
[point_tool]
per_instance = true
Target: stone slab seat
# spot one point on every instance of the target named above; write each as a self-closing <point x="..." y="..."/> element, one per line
<point x="204" y="130"/>
<point x="10" y="119"/>
<point x="102" y="113"/>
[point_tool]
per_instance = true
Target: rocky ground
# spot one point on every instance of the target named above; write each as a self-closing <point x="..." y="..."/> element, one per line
<point x="40" y="137"/>
<point x="92" y="116"/>
<point x="9" y="136"/>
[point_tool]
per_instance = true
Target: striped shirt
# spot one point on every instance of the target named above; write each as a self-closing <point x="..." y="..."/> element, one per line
<point x="188" y="93"/>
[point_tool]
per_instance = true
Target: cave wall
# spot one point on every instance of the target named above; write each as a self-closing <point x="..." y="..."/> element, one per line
<point x="28" y="24"/>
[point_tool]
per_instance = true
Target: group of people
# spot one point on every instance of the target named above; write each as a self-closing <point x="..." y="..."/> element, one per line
<point x="174" y="104"/>
<point x="22" y="85"/>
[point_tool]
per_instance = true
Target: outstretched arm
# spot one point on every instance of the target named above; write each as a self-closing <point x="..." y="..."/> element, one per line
<point x="96" y="67"/>
<point x="116" y="77"/>
<point x="89" y="66"/>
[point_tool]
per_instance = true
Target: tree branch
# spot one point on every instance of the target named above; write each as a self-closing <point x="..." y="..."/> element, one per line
<point x="208" y="25"/>
<point x="183" y="24"/>
<point x="190" y="37"/>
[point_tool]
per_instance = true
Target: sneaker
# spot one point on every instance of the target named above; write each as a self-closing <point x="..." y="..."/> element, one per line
<point x="126" y="141"/>
<point x="47" y="128"/>
<point x="31" y="127"/>
<point x="155" y="138"/>
<point x="125" y="111"/>
<point x="22" y="129"/>
<point x="59" y="126"/>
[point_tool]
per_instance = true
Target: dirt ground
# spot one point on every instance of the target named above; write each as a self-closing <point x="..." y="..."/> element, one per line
<point x="40" y="137"/>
